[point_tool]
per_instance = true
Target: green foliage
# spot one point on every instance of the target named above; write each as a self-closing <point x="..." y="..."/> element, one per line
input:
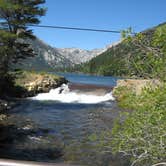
<point x="15" y="16"/>
<point x="126" y="33"/>
<point x="142" y="135"/>
<point x="141" y="55"/>
<point x="126" y="97"/>
<point x="160" y="38"/>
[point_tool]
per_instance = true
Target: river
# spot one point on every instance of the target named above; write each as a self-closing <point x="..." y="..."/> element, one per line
<point x="70" y="124"/>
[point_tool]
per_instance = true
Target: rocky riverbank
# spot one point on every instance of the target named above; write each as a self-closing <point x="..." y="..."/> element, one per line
<point x="28" y="84"/>
<point x="132" y="87"/>
<point x="32" y="83"/>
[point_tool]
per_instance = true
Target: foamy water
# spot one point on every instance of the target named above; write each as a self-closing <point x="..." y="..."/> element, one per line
<point x="64" y="95"/>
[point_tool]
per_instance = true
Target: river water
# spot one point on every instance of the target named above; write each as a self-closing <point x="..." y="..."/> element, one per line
<point x="70" y="124"/>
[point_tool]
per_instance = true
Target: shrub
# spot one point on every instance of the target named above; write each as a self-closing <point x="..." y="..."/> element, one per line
<point x="142" y="135"/>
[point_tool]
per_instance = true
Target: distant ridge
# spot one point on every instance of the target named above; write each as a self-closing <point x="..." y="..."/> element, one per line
<point x="50" y="58"/>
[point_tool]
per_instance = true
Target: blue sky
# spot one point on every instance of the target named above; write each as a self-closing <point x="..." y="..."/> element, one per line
<point x="98" y="14"/>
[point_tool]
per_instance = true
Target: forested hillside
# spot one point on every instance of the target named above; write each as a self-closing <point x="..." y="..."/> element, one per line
<point x="134" y="56"/>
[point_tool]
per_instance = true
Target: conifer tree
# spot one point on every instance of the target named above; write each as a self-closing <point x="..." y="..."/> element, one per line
<point x="15" y="17"/>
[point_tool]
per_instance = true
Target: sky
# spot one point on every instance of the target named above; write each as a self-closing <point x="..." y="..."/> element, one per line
<point x="97" y="14"/>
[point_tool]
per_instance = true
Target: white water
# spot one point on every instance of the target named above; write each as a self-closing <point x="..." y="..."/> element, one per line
<point x="64" y="95"/>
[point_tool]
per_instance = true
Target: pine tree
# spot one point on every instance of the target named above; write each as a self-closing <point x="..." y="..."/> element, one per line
<point x="15" y="16"/>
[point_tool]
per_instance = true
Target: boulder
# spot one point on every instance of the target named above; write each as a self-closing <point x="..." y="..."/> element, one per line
<point x="136" y="85"/>
<point x="3" y="105"/>
<point x="43" y="84"/>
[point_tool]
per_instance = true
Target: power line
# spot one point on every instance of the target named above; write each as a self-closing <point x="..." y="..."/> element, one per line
<point x="76" y="28"/>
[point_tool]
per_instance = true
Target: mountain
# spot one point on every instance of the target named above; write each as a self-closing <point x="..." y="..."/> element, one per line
<point x="50" y="58"/>
<point x="77" y="55"/>
<point x="127" y="57"/>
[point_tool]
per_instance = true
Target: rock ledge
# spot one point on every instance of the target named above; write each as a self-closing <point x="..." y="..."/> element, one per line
<point x="32" y="83"/>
